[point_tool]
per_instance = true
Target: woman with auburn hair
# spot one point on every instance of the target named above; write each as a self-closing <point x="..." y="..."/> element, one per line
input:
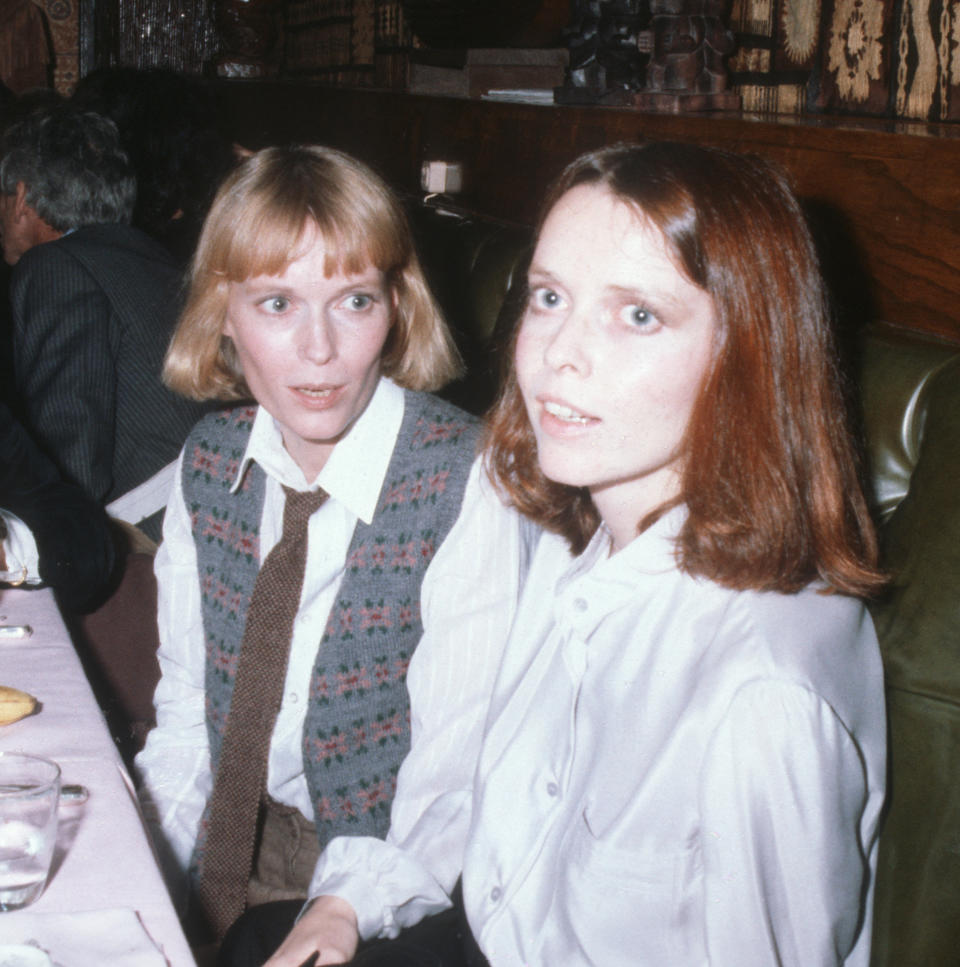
<point x="683" y="759"/>
<point x="318" y="528"/>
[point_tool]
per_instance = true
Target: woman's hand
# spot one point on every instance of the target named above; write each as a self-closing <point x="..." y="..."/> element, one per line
<point x="328" y="928"/>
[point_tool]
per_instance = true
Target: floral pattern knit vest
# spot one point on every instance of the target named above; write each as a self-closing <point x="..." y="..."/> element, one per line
<point x="357" y="728"/>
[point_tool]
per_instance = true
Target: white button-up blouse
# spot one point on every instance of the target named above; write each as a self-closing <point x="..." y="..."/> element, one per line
<point x="671" y="773"/>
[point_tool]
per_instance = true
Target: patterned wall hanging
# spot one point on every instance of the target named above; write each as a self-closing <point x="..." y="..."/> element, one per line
<point x="768" y="78"/>
<point x="62" y="21"/>
<point x="857" y="54"/>
<point x="927" y="69"/>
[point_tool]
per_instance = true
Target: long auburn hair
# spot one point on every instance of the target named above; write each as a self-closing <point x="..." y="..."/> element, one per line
<point x="770" y="479"/>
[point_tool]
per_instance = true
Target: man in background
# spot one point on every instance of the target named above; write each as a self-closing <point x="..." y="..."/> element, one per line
<point x="51" y="532"/>
<point x="93" y="304"/>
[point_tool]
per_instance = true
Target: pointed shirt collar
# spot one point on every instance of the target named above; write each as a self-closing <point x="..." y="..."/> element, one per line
<point x="651" y="553"/>
<point x="355" y="470"/>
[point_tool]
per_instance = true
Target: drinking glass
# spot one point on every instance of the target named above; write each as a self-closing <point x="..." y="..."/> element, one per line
<point x="29" y="794"/>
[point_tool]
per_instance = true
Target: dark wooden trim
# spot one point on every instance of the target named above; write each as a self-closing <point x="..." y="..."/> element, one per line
<point x="889" y="192"/>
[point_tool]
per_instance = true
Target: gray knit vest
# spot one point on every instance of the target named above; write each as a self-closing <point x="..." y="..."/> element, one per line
<point x="357" y="728"/>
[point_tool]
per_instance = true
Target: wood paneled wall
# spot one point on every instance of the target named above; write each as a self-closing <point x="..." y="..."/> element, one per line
<point x="887" y="201"/>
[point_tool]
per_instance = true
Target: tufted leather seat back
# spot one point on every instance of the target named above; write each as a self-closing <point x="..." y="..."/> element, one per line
<point x="472" y="264"/>
<point x="910" y="390"/>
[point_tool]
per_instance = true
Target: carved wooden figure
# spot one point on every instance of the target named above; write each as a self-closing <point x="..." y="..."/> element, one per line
<point x="689" y="42"/>
<point x="661" y="55"/>
<point x="606" y="63"/>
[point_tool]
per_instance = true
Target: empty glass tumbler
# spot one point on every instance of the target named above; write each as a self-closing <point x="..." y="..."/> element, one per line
<point x="29" y="795"/>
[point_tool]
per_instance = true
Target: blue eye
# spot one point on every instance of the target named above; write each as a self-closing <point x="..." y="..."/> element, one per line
<point x="637" y="317"/>
<point x="276" y="304"/>
<point x="544" y="298"/>
<point x="359" y="301"/>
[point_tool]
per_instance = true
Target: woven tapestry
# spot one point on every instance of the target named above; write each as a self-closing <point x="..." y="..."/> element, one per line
<point x="857" y="45"/>
<point x="62" y="22"/>
<point x="772" y="63"/>
<point x="926" y="81"/>
<point x="880" y="58"/>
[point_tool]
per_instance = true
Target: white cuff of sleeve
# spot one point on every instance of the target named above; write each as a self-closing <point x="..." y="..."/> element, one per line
<point x="23" y="560"/>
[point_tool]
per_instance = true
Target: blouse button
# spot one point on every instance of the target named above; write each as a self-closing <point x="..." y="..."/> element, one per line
<point x="552" y="789"/>
<point x="580" y="604"/>
<point x="495" y="894"/>
<point x="294" y="698"/>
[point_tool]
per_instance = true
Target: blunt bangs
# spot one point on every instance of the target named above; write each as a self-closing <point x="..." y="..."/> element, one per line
<point x="262" y="227"/>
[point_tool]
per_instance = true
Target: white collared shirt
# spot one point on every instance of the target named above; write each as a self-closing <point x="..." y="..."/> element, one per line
<point x="488" y="543"/>
<point x="20" y="550"/>
<point x="671" y="773"/>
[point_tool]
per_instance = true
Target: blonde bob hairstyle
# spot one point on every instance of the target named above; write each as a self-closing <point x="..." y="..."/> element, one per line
<point x="260" y="222"/>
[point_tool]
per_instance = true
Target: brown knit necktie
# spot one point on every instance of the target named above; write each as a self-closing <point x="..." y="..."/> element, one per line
<point x="257" y="692"/>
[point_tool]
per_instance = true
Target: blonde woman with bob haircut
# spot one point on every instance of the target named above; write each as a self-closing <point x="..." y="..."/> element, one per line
<point x="683" y="759"/>
<point x="254" y="226"/>
<point x="327" y="523"/>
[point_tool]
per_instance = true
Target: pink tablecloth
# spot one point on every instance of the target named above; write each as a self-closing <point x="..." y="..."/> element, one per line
<point x="104" y="860"/>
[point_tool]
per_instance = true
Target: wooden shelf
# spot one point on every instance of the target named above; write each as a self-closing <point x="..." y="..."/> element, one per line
<point x="887" y="194"/>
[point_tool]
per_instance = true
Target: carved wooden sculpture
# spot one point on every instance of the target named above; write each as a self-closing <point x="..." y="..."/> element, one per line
<point x="606" y="63"/>
<point x="664" y="55"/>
<point x="688" y="42"/>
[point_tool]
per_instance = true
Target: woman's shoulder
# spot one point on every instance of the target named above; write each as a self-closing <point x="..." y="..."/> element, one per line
<point x="430" y="405"/>
<point x="213" y="449"/>
<point x="433" y="423"/>
<point x="823" y="643"/>
<point x="225" y="422"/>
<point x="813" y="616"/>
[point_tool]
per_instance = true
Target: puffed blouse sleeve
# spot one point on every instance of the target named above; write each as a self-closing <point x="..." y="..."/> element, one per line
<point x="783" y="794"/>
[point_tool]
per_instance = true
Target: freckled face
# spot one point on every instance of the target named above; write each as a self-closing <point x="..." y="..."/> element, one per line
<point x="310" y="348"/>
<point x="612" y="351"/>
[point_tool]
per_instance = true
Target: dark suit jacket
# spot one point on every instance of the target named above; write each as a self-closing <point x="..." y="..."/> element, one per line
<point x="74" y="541"/>
<point x="93" y="313"/>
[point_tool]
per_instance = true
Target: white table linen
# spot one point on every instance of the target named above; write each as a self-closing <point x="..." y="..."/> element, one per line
<point x="92" y="939"/>
<point x="104" y="862"/>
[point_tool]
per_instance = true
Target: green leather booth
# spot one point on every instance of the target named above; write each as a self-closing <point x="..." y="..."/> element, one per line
<point x="910" y="391"/>
<point x="909" y="388"/>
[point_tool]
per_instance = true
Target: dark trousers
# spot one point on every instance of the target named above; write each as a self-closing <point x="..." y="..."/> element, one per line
<point x="443" y="940"/>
